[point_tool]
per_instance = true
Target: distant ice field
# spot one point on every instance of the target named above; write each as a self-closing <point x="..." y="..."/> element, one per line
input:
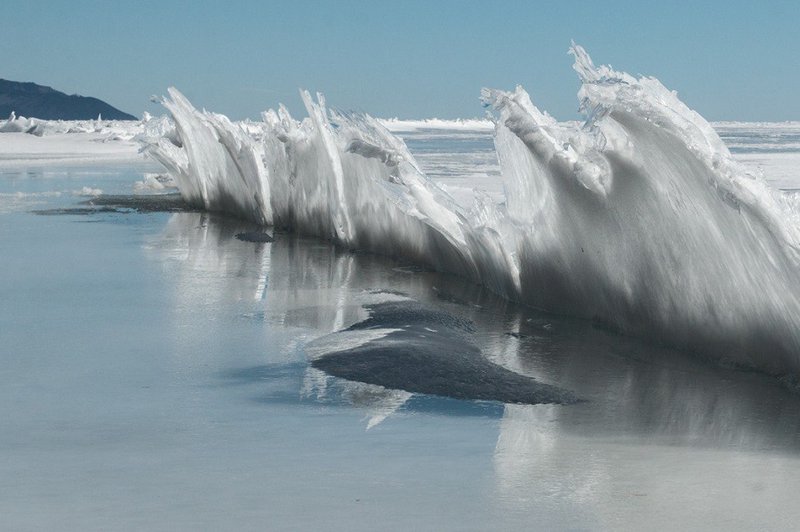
<point x="772" y="148"/>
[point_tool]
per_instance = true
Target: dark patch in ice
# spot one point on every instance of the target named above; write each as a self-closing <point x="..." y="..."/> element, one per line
<point x="410" y="314"/>
<point x="254" y="236"/>
<point x="144" y="202"/>
<point x="76" y="211"/>
<point x="121" y="204"/>
<point x="432" y="354"/>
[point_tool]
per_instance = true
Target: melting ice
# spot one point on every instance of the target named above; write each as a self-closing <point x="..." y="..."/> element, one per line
<point x="638" y="218"/>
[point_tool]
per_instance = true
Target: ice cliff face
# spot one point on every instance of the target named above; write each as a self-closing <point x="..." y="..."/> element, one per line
<point x="638" y="218"/>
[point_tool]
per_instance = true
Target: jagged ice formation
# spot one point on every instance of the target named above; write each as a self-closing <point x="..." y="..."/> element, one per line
<point x="638" y="218"/>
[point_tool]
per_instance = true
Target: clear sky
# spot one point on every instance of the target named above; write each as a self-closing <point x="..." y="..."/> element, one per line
<point x="737" y="60"/>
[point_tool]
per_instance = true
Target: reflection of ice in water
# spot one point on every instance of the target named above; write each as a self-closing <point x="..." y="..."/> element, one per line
<point x="650" y="443"/>
<point x="530" y="471"/>
<point x="306" y="285"/>
<point x="566" y="476"/>
<point x="377" y="402"/>
<point x="660" y="431"/>
<point x="315" y="288"/>
<point x="310" y="287"/>
<point x="212" y="265"/>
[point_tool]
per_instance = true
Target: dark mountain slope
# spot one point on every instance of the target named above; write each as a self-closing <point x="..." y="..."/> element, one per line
<point x="37" y="101"/>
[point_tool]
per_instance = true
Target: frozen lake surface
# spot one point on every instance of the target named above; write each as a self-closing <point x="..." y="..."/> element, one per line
<point x="156" y="374"/>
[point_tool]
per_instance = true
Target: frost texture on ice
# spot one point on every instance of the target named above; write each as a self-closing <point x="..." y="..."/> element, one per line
<point x="638" y="218"/>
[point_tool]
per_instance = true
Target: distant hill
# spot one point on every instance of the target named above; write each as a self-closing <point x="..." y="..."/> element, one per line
<point x="37" y="101"/>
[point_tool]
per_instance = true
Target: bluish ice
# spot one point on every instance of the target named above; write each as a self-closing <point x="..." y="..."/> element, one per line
<point x="155" y="375"/>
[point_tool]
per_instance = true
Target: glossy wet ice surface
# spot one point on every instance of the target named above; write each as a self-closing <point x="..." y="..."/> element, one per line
<point x="156" y="374"/>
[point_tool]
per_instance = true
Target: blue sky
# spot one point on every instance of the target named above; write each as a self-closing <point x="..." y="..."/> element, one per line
<point x="728" y="60"/>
